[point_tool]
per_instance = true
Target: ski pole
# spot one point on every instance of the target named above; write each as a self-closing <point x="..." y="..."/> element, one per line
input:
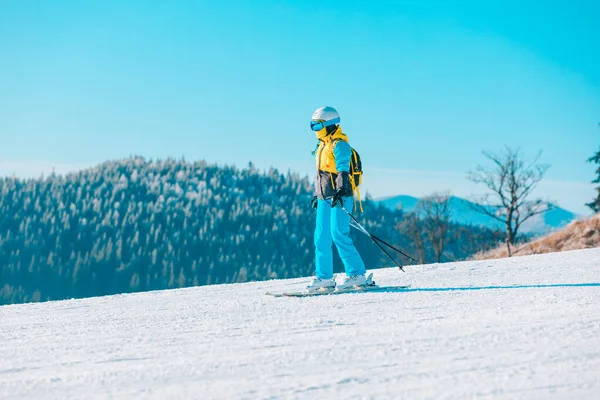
<point x="363" y="230"/>
<point x="385" y="243"/>
<point x="377" y="241"/>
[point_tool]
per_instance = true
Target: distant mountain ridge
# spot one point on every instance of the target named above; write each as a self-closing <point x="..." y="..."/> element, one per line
<point x="463" y="213"/>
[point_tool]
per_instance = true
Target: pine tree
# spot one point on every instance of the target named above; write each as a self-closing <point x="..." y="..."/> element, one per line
<point x="595" y="205"/>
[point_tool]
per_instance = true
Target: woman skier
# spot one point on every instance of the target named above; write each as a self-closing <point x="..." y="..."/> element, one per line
<point x="333" y="192"/>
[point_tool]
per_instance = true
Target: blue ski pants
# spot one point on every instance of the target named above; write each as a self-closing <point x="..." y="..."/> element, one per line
<point x="333" y="225"/>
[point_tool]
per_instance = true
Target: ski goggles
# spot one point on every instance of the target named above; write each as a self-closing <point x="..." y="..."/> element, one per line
<point x="318" y="125"/>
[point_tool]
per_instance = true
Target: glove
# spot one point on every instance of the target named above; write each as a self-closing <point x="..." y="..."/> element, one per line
<point x="314" y="202"/>
<point x="338" y="200"/>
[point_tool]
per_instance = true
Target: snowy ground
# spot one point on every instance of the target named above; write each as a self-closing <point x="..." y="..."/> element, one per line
<point x="522" y="328"/>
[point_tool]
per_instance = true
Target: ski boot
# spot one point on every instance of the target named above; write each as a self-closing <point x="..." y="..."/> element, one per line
<point x="321" y="285"/>
<point x="356" y="282"/>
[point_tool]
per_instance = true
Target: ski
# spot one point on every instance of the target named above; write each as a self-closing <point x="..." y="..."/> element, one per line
<point x="363" y="289"/>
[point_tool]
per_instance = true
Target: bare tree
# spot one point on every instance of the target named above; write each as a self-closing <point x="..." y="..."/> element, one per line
<point x="511" y="181"/>
<point x="437" y="214"/>
<point x="412" y="227"/>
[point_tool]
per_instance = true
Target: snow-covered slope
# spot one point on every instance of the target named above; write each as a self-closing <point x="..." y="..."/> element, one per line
<point x="520" y="328"/>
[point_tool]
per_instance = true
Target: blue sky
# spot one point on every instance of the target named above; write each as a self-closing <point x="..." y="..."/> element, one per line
<point x="422" y="86"/>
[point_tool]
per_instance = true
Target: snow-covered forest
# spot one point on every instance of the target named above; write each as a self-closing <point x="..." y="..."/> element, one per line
<point x="139" y="224"/>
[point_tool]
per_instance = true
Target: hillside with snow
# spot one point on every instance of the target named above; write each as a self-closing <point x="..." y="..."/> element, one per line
<point x="520" y="328"/>
<point x="583" y="234"/>
<point x="138" y="224"/>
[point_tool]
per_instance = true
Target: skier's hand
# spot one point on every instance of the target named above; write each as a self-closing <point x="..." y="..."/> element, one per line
<point x="314" y="202"/>
<point x="338" y="200"/>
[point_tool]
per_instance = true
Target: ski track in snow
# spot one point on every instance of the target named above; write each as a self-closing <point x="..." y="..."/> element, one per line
<point x="520" y="328"/>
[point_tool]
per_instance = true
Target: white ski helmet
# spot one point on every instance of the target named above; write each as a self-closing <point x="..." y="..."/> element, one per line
<point x="324" y="116"/>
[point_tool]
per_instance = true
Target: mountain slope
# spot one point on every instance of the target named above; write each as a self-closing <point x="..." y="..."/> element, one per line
<point x="526" y="327"/>
<point x="402" y="202"/>
<point x="575" y="236"/>
<point x="463" y="213"/>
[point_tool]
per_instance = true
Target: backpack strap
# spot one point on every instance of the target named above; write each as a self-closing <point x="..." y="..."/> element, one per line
<point x="353" y="183"/>
<point x="357" y="190"/>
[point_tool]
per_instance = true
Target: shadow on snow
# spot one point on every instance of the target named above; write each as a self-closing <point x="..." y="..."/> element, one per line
<point x="553" y="285"/>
